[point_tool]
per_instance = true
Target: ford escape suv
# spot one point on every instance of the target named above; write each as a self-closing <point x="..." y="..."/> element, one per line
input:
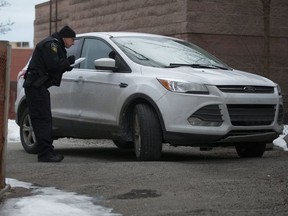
<point x="143" y="90"/>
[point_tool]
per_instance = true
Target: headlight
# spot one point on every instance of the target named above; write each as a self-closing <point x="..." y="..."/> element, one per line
<point x="183" y="86"/>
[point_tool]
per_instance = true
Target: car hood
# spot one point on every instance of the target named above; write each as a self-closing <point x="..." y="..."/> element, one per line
<point x="210" y="76"/>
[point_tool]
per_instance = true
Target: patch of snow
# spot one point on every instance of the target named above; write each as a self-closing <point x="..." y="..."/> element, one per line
<point x="280" y="143"/>
<point x="16" y="183"/>
<point x="13" y="131"/>
<point x="49" y="201"/>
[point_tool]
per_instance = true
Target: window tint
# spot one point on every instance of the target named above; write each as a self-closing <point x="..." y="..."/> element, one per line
<point x="94" y="49"/>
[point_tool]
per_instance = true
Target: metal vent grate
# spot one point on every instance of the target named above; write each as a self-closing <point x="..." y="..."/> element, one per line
<point x="209" y="113"/>
<point x="251" y="115"/>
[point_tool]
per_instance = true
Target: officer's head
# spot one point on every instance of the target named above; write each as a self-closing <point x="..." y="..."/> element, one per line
<point x="68" y="36"/>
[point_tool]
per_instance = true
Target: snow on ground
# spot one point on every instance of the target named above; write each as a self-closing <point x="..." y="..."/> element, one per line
<point x="280" y="142"/>
<point x="49" y="201"/>
<point x="13" y="131"/>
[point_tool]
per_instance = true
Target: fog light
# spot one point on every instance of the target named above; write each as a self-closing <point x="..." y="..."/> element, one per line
<point x="199" y="122"/>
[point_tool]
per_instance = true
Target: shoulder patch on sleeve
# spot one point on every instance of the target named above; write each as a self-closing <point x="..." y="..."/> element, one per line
<point x="54" y="47"/>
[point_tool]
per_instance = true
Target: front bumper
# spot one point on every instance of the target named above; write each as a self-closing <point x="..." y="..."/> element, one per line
<point x="241" y="117"/>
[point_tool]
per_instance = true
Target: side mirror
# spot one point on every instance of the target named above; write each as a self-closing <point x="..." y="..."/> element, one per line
<point x="105" y="64"/>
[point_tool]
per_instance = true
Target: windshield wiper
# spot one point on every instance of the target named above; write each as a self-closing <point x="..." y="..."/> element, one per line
<point x="137" y="53"/>
<point x="173" y="65"/>
<point x="221" y="67"/>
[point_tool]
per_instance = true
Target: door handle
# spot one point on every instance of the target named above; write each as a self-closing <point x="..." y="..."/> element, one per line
<point x="123" y="85"/>
<point x="80" y="79"/>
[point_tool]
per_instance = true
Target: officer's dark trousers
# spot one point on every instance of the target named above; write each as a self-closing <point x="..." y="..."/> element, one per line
<point x="38" y="100"/>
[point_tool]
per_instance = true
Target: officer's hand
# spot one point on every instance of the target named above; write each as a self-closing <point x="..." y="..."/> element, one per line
<point x="69" y="68"/>
<point x="71" y="59"/>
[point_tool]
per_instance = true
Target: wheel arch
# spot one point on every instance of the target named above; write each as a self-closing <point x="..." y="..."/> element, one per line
<point x="126" y="114"/>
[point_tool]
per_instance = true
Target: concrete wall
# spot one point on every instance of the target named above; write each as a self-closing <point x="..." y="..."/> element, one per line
<point x="231" y="30"/>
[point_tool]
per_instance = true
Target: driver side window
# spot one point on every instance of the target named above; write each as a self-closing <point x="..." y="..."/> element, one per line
<point x="94" y="49"/>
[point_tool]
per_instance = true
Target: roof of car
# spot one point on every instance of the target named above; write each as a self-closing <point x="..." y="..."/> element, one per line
<point x="117" y="34"/>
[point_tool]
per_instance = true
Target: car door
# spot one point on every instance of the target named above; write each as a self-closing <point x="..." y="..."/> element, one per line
<point x="97" y="94"/>
<point x="61" y="100"/>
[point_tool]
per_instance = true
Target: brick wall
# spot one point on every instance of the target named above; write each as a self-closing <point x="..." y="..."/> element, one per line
<point x="162" y="16"/>
<point x="231" y="30"/>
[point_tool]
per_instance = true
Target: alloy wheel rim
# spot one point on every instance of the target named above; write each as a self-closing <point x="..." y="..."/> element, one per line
<point x="28" y="133"/>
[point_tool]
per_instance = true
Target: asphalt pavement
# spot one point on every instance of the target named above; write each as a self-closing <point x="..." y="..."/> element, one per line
<point x="185" y="182"/>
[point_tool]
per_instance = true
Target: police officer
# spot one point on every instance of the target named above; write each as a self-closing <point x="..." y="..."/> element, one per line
<point x="49" y="61"/>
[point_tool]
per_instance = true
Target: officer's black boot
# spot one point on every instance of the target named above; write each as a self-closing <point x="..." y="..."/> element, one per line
<point x="51" y="157"/>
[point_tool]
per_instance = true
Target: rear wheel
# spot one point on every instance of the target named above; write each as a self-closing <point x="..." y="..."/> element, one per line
<point x="250" y="150"/>
<point x="27" y="135"/>
<point x="147" y="133"/>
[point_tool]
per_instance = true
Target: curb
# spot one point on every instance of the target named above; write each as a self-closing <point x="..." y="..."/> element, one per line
<point x="4" y="190"/>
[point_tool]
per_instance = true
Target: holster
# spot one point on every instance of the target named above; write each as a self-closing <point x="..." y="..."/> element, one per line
<point x="34" y="78"/>
<point x="29" y="79"/>
<point x="40" y="81"/>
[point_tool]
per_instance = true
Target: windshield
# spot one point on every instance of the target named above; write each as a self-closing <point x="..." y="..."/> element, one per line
<point x="166" y="52"/>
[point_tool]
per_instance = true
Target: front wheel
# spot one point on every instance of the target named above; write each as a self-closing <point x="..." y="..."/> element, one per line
<point x="27" y="135"/>
<point x="250" y="149"/>
<point x="147" y="133"/>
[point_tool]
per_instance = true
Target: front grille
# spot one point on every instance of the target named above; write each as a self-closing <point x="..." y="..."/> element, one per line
<point x="251" y="115"/>
<point x="246" y="89"/>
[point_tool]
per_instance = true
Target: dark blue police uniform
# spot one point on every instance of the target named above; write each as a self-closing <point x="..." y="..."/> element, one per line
<point x="47" y="65"/>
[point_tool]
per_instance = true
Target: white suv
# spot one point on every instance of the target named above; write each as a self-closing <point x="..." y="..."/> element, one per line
<point x="143" y="90"/>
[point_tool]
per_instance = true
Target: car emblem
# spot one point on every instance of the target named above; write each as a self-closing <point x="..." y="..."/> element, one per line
<point x="249" y="89"/>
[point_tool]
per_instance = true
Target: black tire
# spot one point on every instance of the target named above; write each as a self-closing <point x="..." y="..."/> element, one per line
<point x="147" y="133"/>
<point x="123" y="145"/>
<point x="27" y="135"/>
<point x="250" y="150"/>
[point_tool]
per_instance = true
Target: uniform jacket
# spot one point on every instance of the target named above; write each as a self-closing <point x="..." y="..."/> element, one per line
<point x="49" y="60"/>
